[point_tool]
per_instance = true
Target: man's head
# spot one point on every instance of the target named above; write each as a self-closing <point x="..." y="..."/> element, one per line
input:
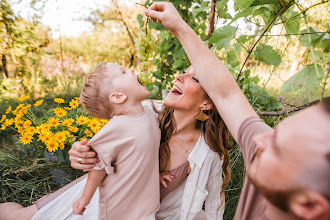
<point x="292" y="166"/>
<point x="108" y="86"/>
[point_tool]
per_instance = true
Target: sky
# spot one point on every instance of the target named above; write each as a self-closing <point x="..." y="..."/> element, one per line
<point x="65" y="16"/>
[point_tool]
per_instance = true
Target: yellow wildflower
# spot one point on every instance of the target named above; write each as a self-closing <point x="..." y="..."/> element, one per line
<point x="76" y="98"/>
<point x="67" y="108"/>
<point x="59" y="100"/>
<point x="88" y="133"/>
<point x="73" y="139"/>
<point x="53" y="122"/>
<point x="94" y="124"/>
<point x="52" y="146"/>
<point x="19" y="129"/>
<point x="62" y="146"/>
<point x="9" y="121"/>
<point x="60" y="137"/>
<point x="73" y="129"/>
<point x="82" y="120"/>
<point x="3" y="118"/>
<point x="3" y="126"/>
<point x="46" y="137"/>
<point x="27" y="124"/>
<point x="38" y="103"/>
<point x="59" y="112"/>
<point x="26" y="139"/>
<point x="8" y="110"/>
<point x="67" y="122"/>
<point x="30" y="130"/>
<point x="23" y="98"/>
<point x="74" y="103"/>
<point x="44" y="127"/>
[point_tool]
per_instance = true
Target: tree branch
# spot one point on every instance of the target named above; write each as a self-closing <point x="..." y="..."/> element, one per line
<point x="288" y="111"/>
<point x="212" y="15"/>
<point x="122" y="19"/>
<point x="283" y="9"/>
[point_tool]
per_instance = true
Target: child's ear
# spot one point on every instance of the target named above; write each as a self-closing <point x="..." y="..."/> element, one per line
<point x="118" y="97"/>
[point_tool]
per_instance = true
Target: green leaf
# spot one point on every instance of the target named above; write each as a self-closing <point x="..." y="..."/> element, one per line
<point x="265" y="2"/>
<point x="266" y="54"/>
<point x="222" y="9"/>
<point x="244" y="38"/>
<point x="140" y="19"/>
<point x="204" y="6"/>
<point x="304" y="79"/>
<point x="243" y="4"/>
<point x="178" y="63"/>
<point x="320" y="40"/>
<point x="293" y="22"/>
<point x="59" y="155"/>
<point x="260" y="11"/>
<point x="222" y="37"/>
<point x="241" y="14"/>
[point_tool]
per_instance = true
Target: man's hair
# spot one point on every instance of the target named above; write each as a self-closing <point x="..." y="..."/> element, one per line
<point x="326" y="104"/>
<point x="93" y="96"/>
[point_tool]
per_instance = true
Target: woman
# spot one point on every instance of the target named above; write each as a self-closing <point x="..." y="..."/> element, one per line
<point x="188" y="146"/>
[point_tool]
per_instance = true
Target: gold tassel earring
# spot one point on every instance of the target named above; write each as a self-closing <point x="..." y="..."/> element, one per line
<point x="202" y="116"/>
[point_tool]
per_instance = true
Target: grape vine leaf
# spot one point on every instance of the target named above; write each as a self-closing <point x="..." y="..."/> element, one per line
<point x="266" y="54"/>
<point x="222" y="37"/>
<point x="292" y="22"/>
<point x="306" y="78"/>
<point x="320" y="40"/>
<point x="222" y="9"/>
<point x="204" y="6"/>
<point x="265" y="2"/>
<point x="243" y="4"/>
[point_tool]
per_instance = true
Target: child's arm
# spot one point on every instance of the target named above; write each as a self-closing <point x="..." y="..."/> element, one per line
<point x="94" y="179"/>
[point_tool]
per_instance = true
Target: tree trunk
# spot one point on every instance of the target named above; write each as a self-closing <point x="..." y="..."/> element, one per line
<point x="4" y="70"/>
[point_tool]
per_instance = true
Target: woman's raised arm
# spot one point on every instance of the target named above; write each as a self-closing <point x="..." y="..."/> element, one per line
<point x="213" y="75"/>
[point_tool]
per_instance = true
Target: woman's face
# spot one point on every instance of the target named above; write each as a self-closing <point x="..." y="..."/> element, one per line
<point x="187" y="93"/>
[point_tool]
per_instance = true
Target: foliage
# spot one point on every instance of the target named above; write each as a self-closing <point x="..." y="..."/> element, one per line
<point x="26" y="175"/>
<point x="54" y="130"/>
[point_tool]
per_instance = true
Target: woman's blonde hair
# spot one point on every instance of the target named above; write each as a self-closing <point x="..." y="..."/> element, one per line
<point x="216" y="136"/>
<point x="93" y="96"/>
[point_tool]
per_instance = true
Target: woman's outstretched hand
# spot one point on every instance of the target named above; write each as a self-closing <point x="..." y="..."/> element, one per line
<point x="80" y="150"/>
<point x="166" y="13"/>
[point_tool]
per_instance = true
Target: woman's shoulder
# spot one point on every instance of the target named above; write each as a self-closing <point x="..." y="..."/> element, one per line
<point x="154" y="105"/>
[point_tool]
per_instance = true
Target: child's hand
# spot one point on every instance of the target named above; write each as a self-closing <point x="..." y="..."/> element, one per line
<point x="79" y="206"/>
<point x="163" y="177"/>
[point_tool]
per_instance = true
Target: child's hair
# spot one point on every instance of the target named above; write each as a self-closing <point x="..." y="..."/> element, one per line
<point x="94" y="97"/>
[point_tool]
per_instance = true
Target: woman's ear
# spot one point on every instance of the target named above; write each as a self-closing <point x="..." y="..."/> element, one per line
<point x="207" y="105"/>
<point x="117" y="97"/>
<point x="310" y="205"/>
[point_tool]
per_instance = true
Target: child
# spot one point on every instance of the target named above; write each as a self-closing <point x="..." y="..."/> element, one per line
<point x="128" y="171"/>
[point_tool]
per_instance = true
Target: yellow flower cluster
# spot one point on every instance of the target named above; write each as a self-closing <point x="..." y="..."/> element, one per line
<point x="56" y="130"/>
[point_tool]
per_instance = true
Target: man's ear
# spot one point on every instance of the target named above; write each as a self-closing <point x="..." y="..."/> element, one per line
<point x="207" y="105"/>
<point x="117" y="97"/>
<point x="310" y="205"/>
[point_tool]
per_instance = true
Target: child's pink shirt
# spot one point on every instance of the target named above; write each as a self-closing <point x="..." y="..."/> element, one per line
<point x="128" y="151"/>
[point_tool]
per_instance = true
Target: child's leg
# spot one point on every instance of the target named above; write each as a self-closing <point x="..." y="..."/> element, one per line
<point x="14" y="211"/>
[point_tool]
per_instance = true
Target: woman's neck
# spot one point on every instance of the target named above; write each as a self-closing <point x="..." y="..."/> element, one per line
<point x="185" y="123"/>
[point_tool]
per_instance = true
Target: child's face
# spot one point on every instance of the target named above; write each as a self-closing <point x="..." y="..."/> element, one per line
<point x="125" y="81"/>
